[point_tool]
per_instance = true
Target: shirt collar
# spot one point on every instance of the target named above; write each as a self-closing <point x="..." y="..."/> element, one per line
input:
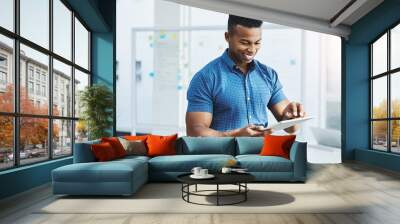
<point x="231" y="64"/>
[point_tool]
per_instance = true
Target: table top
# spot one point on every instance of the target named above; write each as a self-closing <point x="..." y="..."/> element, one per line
<point x="220" y="178"/>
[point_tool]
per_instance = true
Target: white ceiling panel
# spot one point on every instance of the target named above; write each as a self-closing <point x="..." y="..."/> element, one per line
<point x="326" y="16"/>
<point x="321" y="9"/>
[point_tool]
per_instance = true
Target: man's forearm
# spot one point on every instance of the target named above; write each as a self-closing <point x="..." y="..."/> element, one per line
<point x="208" y="132"/>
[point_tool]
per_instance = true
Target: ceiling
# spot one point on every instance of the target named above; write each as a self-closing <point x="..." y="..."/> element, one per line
<point x="321" y="9"/>
<point x="326" y="16"/>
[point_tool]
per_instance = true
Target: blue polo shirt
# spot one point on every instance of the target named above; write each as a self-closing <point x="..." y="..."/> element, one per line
<point x="233" y="98"/>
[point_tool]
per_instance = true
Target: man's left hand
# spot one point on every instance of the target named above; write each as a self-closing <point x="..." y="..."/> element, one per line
<point x="293" y="110"/>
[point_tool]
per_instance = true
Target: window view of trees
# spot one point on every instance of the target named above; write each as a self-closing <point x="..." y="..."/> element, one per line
<point x="30" y="130"/>
<point x="6" y="141"/>
<point x="379" y="128"/>
<point x="33" y="140"/>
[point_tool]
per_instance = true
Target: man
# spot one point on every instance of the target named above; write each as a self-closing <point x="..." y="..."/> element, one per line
<point x="231" y="94"/>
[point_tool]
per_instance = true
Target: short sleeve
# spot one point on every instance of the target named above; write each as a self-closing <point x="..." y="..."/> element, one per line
<point x="277" y="94"/>
<point x="199" y="95"/>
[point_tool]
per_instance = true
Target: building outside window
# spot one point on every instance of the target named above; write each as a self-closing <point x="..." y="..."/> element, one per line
<point x="37" y="75"/>
<point x="43" y="90"/>
<point x="3" y="72"/>
<point x="55" y="96"/>
<point x="38" y="89"/>
<point x="3" y="81"/>
<point x="43" y="77"/>
<point x="3" y="78"/>
<point x="30" y="87"/>
<point x="3" y="61"/>
<point x="30" y="72"/>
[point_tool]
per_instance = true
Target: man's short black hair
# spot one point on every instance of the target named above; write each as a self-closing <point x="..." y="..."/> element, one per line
<point x="246" y="22"/>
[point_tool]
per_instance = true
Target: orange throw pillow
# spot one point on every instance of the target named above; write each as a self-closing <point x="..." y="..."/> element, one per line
<point x="275" y="145"/>
<point x="103" y="152"/>
<point x="136" y="138"/>
<point x="116" y="145"/>
<point x="161" y="145"/>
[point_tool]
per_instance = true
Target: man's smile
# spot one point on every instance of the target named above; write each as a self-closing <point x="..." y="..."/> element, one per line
<point x="248" y="57"/>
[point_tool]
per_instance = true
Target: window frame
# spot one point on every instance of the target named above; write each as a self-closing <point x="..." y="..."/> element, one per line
<point x="388" y="74"/>
<point x="16" y="114"/>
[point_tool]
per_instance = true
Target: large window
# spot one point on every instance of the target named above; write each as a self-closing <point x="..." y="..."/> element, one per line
<point x="385" y="92"/>
<point x="40" y="80"/>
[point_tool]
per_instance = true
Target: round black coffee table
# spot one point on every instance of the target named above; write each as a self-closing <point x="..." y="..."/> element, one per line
<point x="238" y="179"/>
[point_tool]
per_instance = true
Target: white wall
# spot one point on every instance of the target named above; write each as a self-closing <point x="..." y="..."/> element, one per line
<point x="130" y="13"/>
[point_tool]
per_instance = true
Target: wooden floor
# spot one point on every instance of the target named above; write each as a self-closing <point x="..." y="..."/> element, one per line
<point x="378" y="188"/>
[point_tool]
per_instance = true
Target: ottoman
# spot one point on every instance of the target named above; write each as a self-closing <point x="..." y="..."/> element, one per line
<point x="118" y="177"/>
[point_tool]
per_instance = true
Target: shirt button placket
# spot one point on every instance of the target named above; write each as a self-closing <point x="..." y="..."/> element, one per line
<point x="248" y="100"/>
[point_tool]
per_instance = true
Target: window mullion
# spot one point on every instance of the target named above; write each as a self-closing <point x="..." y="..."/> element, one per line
<point x="389" y="76"/>
<point x="371" y="137"/>
<point x="50" y="81"/>
<point x="73" y="82"/>
<point x="16" y="83"/>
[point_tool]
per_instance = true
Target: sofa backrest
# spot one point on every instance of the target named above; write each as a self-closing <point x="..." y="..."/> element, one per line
<point x="83" y="152"/>
<point x="206" y="145"/>
<point x="249" y="145"/>
<point x="190" y="146"/>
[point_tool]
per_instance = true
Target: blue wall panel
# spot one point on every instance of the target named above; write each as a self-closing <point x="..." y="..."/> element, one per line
<point x="24" y="178"/>
<point x="103" y="53"/>
<point x="102" y="59"/>
<point x="357" y="99"/>
<point x="377" y="158"/>
<point x="103" y="65"/>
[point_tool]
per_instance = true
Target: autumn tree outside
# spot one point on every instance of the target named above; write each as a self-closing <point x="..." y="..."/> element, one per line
<point x="33" y="132"/>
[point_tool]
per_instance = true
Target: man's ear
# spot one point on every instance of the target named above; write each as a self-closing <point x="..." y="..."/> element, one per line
<point x="227" y="36"/>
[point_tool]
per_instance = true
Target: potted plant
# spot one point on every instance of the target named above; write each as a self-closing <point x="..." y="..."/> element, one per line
<point x="96" y="102"/>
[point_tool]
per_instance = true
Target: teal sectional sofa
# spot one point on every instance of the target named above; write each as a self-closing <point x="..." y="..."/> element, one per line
<point x="125" y="176"/>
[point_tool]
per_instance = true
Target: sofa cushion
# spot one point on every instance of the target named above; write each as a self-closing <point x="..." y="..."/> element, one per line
<point x="111" y="171"/>
<point x="257" y="163"/>
<point x="116" y="145"/>
<point x="135" y="147"/>
<point x="185" y="163"/>
<point x="131" y="158"/>
<point x="103" y="152"/>
<point x="207" y="145"/>
<point x="249" y="145"/>
<point x="136" y="138"/>
<point x="159" y="145"/>
<point x="277" y="145"/>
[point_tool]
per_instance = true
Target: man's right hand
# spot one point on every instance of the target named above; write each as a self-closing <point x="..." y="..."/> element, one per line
<point x="250" y="130"/>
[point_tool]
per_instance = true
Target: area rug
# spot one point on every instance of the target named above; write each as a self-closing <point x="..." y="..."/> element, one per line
<point x="167" y="198"/>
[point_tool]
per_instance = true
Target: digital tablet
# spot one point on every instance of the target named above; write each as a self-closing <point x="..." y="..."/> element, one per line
<point x="286" y="123"/>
